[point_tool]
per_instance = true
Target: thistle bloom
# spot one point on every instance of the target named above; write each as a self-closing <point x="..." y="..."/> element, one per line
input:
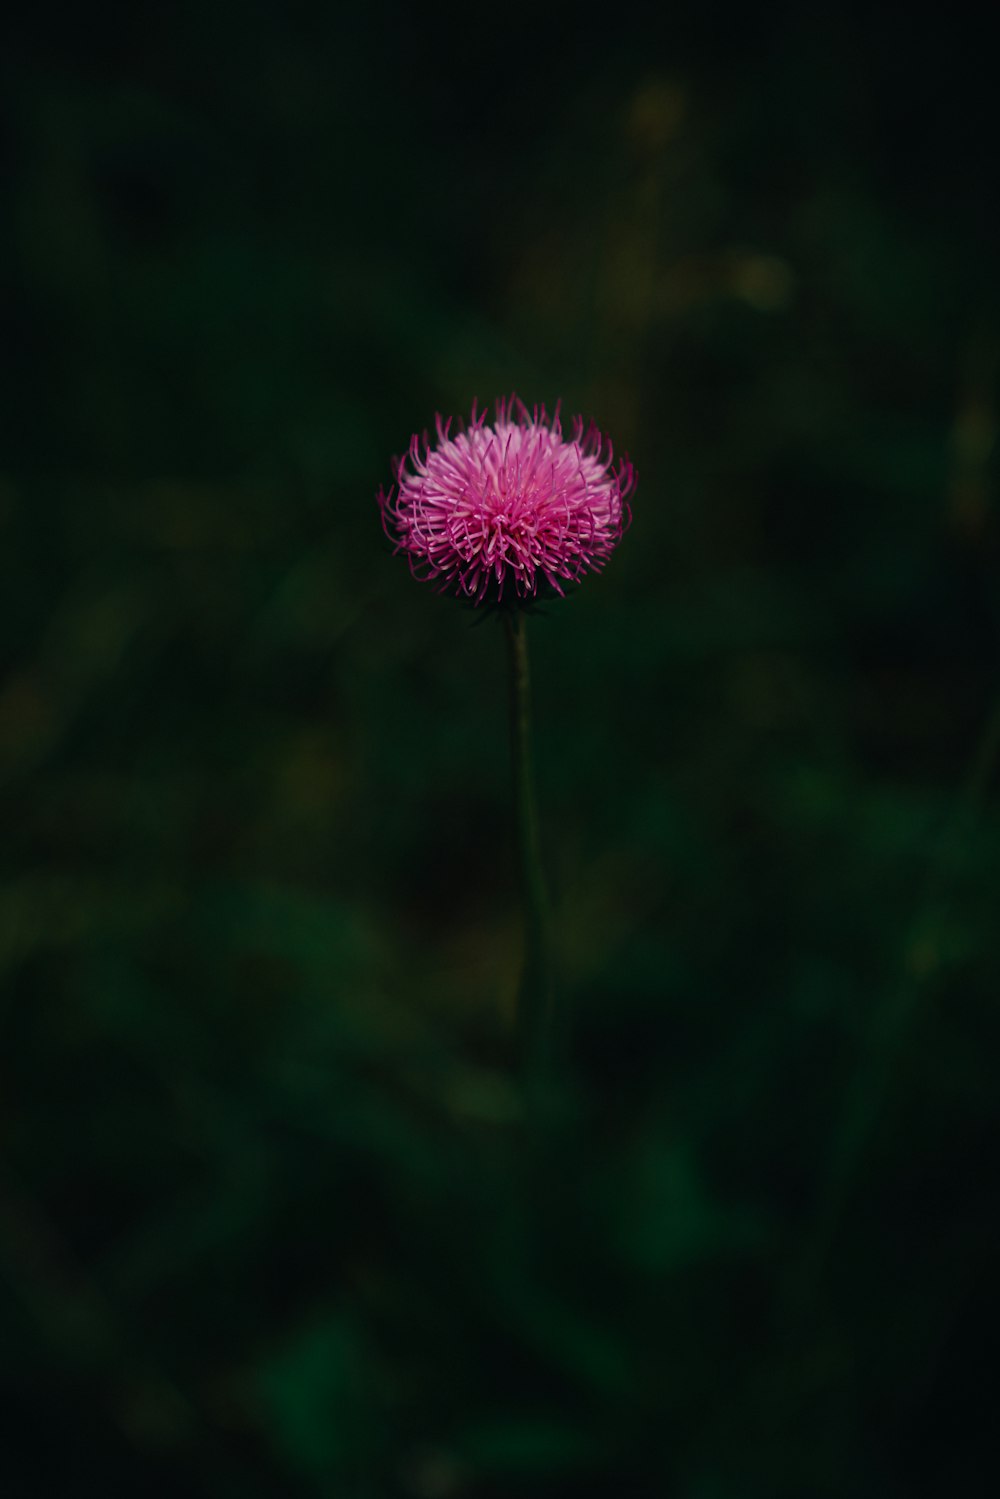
<point x="508" y="507"/>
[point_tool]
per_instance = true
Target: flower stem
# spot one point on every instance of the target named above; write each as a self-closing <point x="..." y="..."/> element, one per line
<point x="534" y="1001"/>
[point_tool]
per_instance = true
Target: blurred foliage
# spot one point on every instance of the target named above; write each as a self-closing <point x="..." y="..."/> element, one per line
<point x="271" y="1222"/>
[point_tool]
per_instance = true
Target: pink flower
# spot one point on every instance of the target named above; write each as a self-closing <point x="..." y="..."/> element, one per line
<point x="508" y="506"/>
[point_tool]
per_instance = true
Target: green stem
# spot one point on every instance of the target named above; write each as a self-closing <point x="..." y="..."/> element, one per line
<point x="534" y="1002"/>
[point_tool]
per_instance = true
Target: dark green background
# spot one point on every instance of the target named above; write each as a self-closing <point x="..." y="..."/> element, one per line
<point x="269" y="1224"/>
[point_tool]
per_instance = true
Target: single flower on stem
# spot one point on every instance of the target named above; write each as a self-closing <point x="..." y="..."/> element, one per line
<point x="508" y="509"/>
<point x="503" y="513"/>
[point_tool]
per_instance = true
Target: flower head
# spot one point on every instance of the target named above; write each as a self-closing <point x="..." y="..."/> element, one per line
<point x="508" y="508"/>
